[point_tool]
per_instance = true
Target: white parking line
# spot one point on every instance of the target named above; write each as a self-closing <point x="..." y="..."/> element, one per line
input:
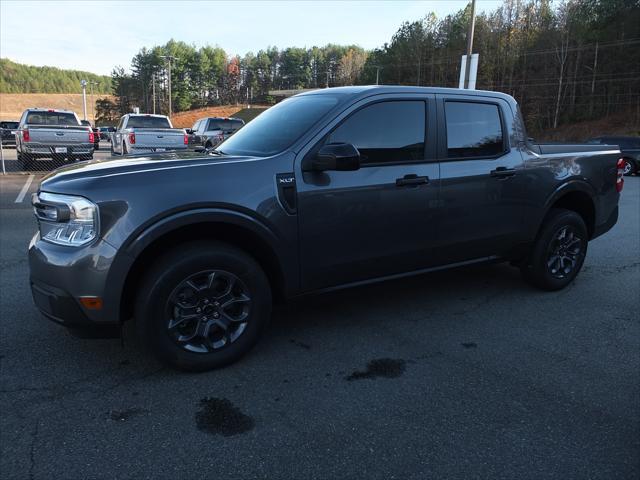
<point x="25" y="189"/>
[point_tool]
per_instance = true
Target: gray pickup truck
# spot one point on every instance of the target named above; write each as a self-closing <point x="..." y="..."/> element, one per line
<point x="326" y="190"/>
<point x="211" y="131"/>
<point x="146" y="133"/>
<point x="54" y="134"/>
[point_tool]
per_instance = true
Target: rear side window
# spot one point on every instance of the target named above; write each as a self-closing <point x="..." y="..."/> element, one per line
<point x="385" y="132"/>
<point x="148" y="122"/>
<point x="51" y="118"/>
<point x="473" y="130"/>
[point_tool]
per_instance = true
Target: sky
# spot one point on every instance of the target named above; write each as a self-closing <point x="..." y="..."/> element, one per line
<point x="95" y="36"/>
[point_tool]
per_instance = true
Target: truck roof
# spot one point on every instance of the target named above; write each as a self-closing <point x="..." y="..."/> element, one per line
<point x="366" y="90"/>
<point x="42" y="109"/>
<point x="145" y="115"/>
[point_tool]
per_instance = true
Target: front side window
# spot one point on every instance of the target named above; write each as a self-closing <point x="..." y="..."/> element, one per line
<point x="385" y="132"/>
<point x="473" y="130"/>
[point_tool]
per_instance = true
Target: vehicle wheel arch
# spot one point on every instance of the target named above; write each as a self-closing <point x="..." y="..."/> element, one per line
<point x="577" y="196"/>
<point x="170" y="233"/>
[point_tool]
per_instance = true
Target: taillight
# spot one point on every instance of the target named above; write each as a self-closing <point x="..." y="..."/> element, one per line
<point x="186" y="139"/>
<point x="25" y="135"/>
<point x="91" y="137"/>
<point x="620" y="175"/>
<point x="132" y="138"/>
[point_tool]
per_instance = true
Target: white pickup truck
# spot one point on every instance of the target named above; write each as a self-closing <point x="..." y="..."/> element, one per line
<point x="145" y="133"/>
<point x="52" y="133"/>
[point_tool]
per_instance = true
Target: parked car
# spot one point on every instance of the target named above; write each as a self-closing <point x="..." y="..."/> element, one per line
<point x="630" y="148"/>
<point x="144" y="133"/>
<point x="8" y="133"/>
<point x="211" y="131"/>
<point x="325" y="190"/>
<point x="52" y="133"/>
<point x="105" y="133"/>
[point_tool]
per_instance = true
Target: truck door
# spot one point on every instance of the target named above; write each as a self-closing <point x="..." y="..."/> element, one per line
<point x="378" y="220"/>
<point x="483" y="186"/>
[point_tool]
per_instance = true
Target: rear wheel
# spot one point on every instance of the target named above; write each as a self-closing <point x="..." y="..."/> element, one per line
<point x="629" y="166"/>
<point x="559" y="251"/>
<point x="124" y="149"/>
<point x="203" y="305"/>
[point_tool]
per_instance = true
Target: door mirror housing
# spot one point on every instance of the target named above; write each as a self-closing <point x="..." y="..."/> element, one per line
<point x="336" y="156"/>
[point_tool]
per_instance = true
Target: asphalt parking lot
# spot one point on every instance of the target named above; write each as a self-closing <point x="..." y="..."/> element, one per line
<point x="461" y="374"/>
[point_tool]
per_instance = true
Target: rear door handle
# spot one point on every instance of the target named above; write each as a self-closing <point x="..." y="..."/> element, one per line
<point x="503" y="172"/>
<point x="411" y="180"/>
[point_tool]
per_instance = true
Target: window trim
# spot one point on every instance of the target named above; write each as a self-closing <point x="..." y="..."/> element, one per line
<point x="444" y="151"/>
<point x="425" y="159"/>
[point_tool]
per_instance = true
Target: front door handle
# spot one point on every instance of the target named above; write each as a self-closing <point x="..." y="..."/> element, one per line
<point x="411" y="180"/>
<point x="503" y="172"/>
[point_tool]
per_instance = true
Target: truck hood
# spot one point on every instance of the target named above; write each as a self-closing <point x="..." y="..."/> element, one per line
<point x="64" y="179"/>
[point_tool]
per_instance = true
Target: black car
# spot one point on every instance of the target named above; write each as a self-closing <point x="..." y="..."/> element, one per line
<point x="8" y="133"/>
<point x="328" y="189"/>
<point x="630" y="148"/>
<point x="105" y="133"/>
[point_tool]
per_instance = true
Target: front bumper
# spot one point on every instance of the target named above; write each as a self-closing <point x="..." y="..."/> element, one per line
<point x="60" y="276"/>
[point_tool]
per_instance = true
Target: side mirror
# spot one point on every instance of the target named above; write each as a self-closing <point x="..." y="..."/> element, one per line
<point x="336" y="156"/>
<point x="189" y="131"/>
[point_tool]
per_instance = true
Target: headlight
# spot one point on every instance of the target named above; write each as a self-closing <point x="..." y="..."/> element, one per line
<point x="65" y="219"/>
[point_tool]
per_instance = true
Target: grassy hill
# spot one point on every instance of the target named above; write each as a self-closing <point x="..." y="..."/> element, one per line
<point x="19" y="78"/>
<point x="188" y="118"/>
<point x="13" y="104"/>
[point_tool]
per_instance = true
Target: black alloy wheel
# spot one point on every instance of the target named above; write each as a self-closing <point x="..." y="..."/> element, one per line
<point x="208" y="311"/>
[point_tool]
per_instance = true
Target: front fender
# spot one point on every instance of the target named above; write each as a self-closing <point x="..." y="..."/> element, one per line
<point x="138" y="241"/>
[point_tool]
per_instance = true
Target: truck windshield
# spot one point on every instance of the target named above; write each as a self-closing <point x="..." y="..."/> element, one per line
<point x="52" y="118"/>
<point x="148" y="122"/>
<point x="279" y="127"/>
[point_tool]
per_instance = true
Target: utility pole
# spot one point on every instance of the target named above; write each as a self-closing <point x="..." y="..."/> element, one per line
<point x="378" y="68"/>
<point x="83" y="83"/>
<point x="472" y="26"/>
<point x="153" y="91"/>
<point x="169" y="59"/>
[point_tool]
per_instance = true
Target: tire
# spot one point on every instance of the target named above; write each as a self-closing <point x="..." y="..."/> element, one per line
<point x="111" y="148"/>
<point x="180" y="299"/>
<point x="124" y="149"/>
<point x="558" y="252"/>
<point x="630" y="167"/>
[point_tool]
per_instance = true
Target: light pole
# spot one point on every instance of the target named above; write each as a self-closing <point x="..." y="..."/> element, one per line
<point x="93" y="103"/>
<point x="472" y="26"/>
<point x="169" y="59"/>
<point x="83" y="83"/>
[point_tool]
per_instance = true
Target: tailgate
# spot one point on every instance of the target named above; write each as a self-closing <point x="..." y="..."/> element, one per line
<point x="58" y="135"/>
<point x="159" y="138"/>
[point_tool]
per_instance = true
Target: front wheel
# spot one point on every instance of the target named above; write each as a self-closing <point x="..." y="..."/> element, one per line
<point x="559" y="251"/>
<point x="203" y="305"/>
